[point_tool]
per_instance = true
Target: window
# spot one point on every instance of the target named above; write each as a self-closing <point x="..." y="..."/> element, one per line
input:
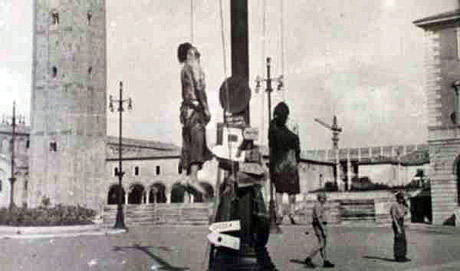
<point x="158" y="170"/>
<point x="54" y="71"/>
<point x="179" y="169"/>
<point x="55" y="17"/>
<point x="136" y="171"/>
<point x="1" y="185"/>
<point x="28" y="143"/>
<point x="115" y="172"/>
<point x="89" y="15"/>
<point x="455" y="116"/>
<point x="53" y="146"/>
<point x="90" y="70"/>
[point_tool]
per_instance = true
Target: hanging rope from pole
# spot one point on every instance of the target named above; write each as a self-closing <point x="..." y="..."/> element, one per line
<point x="192" y="21"/>
<point x="264" y="45"/>
<point x="226" y="110"/>
<point x="283" y="62"/>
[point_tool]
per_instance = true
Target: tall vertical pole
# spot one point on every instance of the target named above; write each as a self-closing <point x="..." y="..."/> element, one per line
<point x="239" y="43"/>
<point x="274" y="228"/>
<point x="13" y="134"/>
<point x="120" y="221"/>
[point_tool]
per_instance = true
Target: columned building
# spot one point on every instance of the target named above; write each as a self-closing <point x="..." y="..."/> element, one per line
<point x="21" y="167"/>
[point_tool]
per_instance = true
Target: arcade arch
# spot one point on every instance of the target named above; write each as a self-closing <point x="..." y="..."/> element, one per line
<point x="136" y="194"/>
<point x="157" y="193"/>
<point x="177" y="193"/>
<point x="112" y="196"/>
<point x="457" y="177"/>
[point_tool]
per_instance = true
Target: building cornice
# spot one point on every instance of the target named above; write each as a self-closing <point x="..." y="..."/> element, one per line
<point x="439" y="19"/>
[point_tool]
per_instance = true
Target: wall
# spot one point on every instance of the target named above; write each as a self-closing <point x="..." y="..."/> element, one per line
<point x="442" y="69"/>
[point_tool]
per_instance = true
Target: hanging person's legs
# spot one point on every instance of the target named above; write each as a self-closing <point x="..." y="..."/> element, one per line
<point x="279" y="208"/>
<point x="292" y="200"/>
<point x="192" y="184"/>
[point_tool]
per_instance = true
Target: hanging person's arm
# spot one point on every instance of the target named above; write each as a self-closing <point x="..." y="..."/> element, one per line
<point x="200" y="91"/>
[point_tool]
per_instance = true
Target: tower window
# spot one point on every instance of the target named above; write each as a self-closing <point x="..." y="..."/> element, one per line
<point x="54" y="71"/>
<point x="89" y="15"/>
<point x="90" y="70"/>
<point x="455" y="116"/>
<point x="55" y="17"/>
<point x="136" y="171"/>
<point x="158" y="170"/>
<point x="53" y="146"/>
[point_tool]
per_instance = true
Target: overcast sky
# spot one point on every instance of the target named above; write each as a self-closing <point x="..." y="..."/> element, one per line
<point x="359" y="60"/>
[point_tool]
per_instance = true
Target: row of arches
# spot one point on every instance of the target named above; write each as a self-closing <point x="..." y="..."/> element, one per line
<point x="157" y="193"/>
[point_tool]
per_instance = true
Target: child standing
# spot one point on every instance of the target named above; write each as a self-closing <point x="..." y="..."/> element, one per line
<point x="319" y="227"/>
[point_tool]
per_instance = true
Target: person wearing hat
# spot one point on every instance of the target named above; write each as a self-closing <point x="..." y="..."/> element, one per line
<point x="194" y="115"/>
<point x="284" y="158"/>
<point x="319" y="227"/>
<point x="397" y="212"/>
<point x="241" y="198"/>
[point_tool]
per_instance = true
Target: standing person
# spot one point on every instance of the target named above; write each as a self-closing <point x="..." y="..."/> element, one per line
<point x="319" y="225"/>
<point x="194" y="115"/>
<point x="397" y="211"/>
<point x="284" y="158"/>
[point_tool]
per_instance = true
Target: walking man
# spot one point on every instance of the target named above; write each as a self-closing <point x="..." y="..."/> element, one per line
<point x="319" y="227"/>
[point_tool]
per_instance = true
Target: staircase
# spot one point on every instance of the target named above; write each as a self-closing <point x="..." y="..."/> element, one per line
<point x="357" y="210"/>
<point x="160" y="214"/>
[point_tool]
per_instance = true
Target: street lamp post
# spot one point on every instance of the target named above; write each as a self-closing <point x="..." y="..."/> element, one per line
<point x="274" y="228"/>
<point x="120" y="221"/>
<point x="20" y="119"/>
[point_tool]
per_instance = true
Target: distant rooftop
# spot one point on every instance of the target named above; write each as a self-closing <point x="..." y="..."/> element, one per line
<point x="142" y="143"/>
<point x="439" y="19"/>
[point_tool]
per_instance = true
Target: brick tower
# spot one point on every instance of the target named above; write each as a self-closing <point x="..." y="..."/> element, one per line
<point x="68" y="112"/>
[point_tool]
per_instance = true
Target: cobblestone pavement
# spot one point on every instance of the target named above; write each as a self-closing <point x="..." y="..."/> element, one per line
<point x="183" y="248"/>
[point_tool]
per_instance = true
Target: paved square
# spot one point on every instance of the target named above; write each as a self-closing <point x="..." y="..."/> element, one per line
<point x="183" y="248"/>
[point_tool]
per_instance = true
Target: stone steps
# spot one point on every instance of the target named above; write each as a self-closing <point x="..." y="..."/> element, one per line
<point x="347" y="211"/>
<point x="160" y="214"/>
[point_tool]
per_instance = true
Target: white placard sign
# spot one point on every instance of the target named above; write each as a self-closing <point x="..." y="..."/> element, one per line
<point x="251" y="133"/>
<point x="224" y="240"/>
<point x="225" y="226"/>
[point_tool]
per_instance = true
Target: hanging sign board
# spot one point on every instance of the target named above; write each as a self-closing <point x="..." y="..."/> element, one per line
<point x="251" y="133"/>
<point x="224" y="240"/>
<point x="225" y="226"/>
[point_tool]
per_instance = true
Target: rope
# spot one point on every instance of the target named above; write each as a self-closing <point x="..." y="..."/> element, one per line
<point x="282" y="44"/>
<point x="264" y="44"/>
<point x="224" y="54"/>
<point x="192" y="21"/>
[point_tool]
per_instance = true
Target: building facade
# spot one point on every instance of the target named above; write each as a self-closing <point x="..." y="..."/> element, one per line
<point x="21" y="167"/>
<point x="68" y="111"/>
<point x="152" y="173"/>
<point x="442" y="69"/>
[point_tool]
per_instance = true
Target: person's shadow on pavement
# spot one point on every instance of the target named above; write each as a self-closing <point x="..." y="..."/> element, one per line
<point x="379" y="258"/>
<point x="164" y="265"/>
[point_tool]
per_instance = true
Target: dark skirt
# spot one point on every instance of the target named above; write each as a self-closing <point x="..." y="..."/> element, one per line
<point x="194" y="146"/>
<point x="400" y="242"/>
<point x="286" y="182"/>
